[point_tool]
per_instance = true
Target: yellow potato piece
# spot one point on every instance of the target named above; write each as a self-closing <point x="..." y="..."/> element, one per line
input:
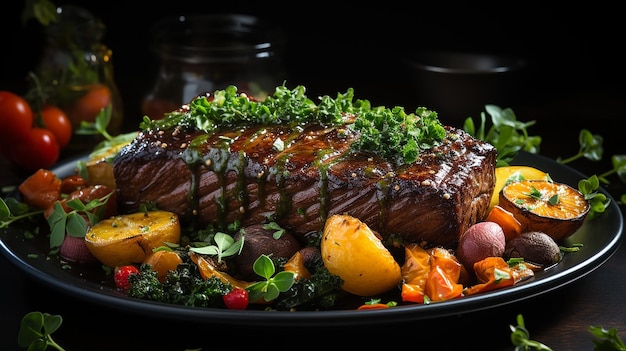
<point x="127" y="239"/>
<point x="351" y="250"/>
<point x="506" y="173"/>
<point x="99" y="166"/>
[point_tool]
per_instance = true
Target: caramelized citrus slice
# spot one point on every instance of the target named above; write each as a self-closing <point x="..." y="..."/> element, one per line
<point x="507" y="174"/>
<point x="546" y="206"/>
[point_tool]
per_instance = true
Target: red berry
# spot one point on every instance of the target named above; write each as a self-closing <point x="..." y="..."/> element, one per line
<point x="121" y="275"/>
<point x="236" y="299"/>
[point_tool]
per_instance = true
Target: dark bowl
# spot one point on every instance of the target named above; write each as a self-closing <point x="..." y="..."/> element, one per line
<point x="458" y="84"/>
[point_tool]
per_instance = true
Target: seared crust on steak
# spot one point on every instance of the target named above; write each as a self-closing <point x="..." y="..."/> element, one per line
<point x="311" y="174"/>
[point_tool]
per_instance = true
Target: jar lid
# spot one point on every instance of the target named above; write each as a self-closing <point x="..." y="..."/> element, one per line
<point x="205" y="38"/>
<point x="75" y="26"/>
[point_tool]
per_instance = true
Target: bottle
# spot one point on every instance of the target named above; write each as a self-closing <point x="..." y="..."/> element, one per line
<point x="200" y="53"/>
<point x="76" y="71"/>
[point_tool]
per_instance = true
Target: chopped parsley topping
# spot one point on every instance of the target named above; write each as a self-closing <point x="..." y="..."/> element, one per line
<point x="393" y="134"/>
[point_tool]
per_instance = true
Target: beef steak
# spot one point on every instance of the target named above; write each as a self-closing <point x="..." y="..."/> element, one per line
<point x="299" y="175"/>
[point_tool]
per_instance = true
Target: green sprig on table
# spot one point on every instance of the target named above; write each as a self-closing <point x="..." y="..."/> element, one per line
<point x="603" y="339"/>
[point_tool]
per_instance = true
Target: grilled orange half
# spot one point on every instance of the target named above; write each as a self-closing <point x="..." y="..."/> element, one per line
<point x="554" y="208"/>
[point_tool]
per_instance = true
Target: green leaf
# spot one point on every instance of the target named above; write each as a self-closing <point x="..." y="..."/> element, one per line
<point x="76" y="225"/>
<point x="5" y="213"/>
<point x="206" y="250"/>
<point x="264" y="267"/>
<point x="36" y="329"/>
<point x="279" y="231"/>
<point x="57" y="223"/>
<point x="234" y="248"/>
<point x="283" y="280"/>
<point x="271" y="293"/>
<point x="51" y="323"/>
<point x="30" y="329"/>
<point x="76" y="204"/>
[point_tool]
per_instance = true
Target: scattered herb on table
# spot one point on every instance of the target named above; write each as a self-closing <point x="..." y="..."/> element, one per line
<point x="603" y="339"/>
<point x="36" y="331"/>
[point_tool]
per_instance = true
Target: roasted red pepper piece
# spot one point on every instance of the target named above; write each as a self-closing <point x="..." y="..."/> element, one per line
<point x="491" y="273"/>
<point x="414" y="273"/>
<point x="442" y="282"/>
<point x="41" y="190"/>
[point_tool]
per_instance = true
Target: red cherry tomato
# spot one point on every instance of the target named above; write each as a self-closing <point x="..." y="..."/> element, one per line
<point x="16" y="119"/>
<point x="88" y="106"/>
<point x="56" y="121"/>
<point x="39" y="149"/>
<point x="236" y="299"/>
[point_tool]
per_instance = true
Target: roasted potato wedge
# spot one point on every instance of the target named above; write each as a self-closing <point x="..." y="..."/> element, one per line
<point x="99" y="165"/>
<point x="131" y="238"/>
<point x="351" y="250"/>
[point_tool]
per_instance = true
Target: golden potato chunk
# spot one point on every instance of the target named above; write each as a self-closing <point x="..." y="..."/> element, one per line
<point x="127" y="239"/>
<point x="351" y="250"/>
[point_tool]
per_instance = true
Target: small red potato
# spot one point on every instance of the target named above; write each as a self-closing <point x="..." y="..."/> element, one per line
<point x="482" y="240"/>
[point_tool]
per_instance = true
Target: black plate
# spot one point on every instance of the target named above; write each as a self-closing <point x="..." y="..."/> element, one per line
<point x="600" y="237"/>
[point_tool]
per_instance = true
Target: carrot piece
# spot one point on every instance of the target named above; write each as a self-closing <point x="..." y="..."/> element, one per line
<point x="296" y="265"/>
<point x="507" y="221"/>
<point x="208" y="270"/>
<point x="41" y="190"/>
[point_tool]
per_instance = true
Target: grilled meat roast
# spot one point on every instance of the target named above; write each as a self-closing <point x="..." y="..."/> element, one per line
<point x="299" y="175"/>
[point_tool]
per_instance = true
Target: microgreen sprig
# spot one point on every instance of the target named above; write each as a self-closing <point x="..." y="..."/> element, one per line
<point x="12" y="210"/>
<point x="592" y="149"/>
<point x="225" y="245"/>
<point x="510" y="136"/>
<point x="36" y="331"/>
<point x="606" y="339"/>
<point x="273" y="285"/>
<point x="74" y="223"/>
<point x="520" y="337"/>
<point x="278" y="230"/>
<point x="506" y="133"/>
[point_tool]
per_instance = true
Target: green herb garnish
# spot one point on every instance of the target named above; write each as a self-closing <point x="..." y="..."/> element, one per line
<point x="278" y="230"/>
<point x="506" y="133"/>
<point x="12" y="210"/>
<point x="225" y="245"/>
<point x="393" y="134"/>
<point x="73" y="223"/>
<point x="273" y="285"/>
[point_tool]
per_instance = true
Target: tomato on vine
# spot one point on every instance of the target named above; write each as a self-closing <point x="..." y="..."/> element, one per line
<point x="88" y="106"/>
<point x="56" y="121"/>
<point x="38" y="149"/>
<point x="16" y="119"/>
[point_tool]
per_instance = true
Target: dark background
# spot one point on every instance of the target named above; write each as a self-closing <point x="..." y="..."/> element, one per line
<point x="576" y="80"/>
<point x="570" y="51"/>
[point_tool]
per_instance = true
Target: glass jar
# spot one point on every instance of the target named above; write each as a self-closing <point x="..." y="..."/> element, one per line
<point x="202" y="53"/>
<point x="76" y="71"/>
